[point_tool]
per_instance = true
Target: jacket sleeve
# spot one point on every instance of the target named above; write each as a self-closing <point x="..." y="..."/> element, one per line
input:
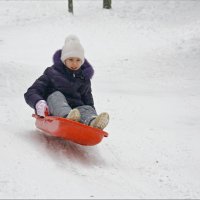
<point x="87" y="96"/>
<point x="37" y="91"/>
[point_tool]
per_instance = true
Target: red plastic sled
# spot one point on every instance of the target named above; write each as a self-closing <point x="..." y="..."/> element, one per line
<point x="70" y="130"/>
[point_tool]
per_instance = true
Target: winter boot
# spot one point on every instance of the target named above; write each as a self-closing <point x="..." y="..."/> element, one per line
<point x="100" y="121"/>
<point x="74" y="115"/>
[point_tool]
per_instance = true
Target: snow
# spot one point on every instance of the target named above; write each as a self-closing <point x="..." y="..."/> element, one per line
<point x="147" y="76"/>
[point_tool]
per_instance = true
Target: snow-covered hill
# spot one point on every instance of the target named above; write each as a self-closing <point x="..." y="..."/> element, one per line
<point x="147" y="76"/>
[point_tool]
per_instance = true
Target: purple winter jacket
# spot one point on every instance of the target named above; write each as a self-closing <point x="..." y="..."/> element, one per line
<point x="75" y="85"/>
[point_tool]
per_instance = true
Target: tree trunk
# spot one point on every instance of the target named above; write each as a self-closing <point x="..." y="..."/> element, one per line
<point x="70" y="6"/>
<point x="107" y="4"/>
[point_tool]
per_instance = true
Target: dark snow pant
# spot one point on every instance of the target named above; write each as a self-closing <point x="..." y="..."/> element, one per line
<point x="58" y="106"/>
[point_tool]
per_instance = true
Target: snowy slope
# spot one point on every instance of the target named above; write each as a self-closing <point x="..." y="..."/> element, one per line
<point x="146" y="59"/>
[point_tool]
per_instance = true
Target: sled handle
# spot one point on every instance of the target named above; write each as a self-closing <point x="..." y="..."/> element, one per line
<point x="49" y="118"/>
<point x="105" y="134"/>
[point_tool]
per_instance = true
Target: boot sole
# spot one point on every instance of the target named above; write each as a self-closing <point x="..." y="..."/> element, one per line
<point x="74" y="115"/>
<point x="100" y="121"/>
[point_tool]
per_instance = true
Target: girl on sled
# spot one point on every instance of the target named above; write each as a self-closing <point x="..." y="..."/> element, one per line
<point x="64" y="89"/>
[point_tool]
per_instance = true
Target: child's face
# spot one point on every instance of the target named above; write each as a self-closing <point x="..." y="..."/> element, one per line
<point x="73" y="63"/>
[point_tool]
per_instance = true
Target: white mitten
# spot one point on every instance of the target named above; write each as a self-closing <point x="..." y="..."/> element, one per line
<point x="42" y="108"/>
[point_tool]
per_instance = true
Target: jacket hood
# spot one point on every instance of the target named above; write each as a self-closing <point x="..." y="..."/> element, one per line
<point x="87" y="69"/>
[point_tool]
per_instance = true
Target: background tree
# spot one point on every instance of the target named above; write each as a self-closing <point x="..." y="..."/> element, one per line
<point x="107" y="4"/>
<point x="70" y="6"/>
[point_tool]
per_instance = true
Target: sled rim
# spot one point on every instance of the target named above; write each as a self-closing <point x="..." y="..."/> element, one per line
<point x="51" y="118"/>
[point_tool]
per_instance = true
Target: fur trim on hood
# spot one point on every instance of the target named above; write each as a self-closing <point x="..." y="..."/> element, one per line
<point x="86" y="67"/>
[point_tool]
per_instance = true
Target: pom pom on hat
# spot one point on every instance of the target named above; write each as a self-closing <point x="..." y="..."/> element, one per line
<point x="72" y="48"/>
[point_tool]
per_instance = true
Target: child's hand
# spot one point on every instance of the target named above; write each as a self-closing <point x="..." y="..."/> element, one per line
<point x="42" y="108"/>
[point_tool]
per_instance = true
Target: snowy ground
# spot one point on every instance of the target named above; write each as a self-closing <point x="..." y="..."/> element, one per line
<point x="146" y="58"/>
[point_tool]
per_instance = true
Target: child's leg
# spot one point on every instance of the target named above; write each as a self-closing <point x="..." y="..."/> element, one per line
<point x="58" y="105"/>
<point x="87" y="114"/>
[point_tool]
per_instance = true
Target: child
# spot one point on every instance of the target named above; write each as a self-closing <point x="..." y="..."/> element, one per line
<point x="64" y="89"/>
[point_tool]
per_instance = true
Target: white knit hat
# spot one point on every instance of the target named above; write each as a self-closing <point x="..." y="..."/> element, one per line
<point x="72" y="48"/>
